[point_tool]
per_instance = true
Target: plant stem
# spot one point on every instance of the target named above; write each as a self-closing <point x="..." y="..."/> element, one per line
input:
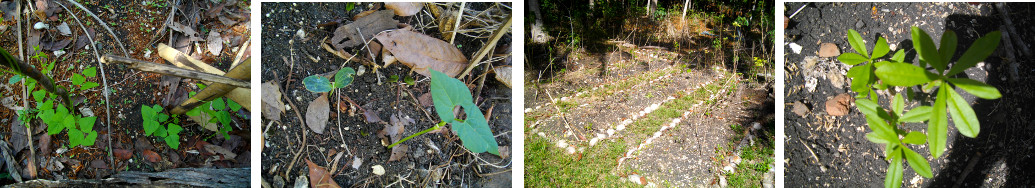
<point x="436" y="127"/>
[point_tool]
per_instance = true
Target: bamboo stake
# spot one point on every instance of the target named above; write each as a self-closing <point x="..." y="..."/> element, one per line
<point x="485" y="49"/>
<point x="215" y="90"/>
<point x="240" y="95"/>
<point x="175" y="71"/>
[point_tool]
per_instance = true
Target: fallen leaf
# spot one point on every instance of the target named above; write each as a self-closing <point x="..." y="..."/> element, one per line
<point x="55" y="45"/>
<point x="838" y="106"/>
<point x="371" y="116"/>
<point x="83" y="40"/>
<point x="319" y="177"/>
<point x="33" y="40"/>
<point x="215" y="42"/>
<point x="503" y="74"/>
<point x="421" y="52"/>
<point x="123" y="154"/>
<point x="18" y="137"/>
<point x="227" y="154"/>
<point x="504" y="152"/>
<point x="398" y="152"/>
<point x="425" y="100"/>
<point x="828" y="50"/>
<point x="151" y="156"/>
<point x="272" y="105"/>
<point x="316" y="114"/>
<point x="347" y="36"/>
<point x="64" y="29"/>
<point x="391" y="133"/>
<point x="44" y="143"/>
<point x="363" y="14"/>
<point x="405" y="8"/>
<point x="142" y="144"/>
<point x="99" y="163"/>
<point x="187" y="31"/>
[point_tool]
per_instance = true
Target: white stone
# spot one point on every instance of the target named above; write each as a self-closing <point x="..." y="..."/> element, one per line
<point x="40" y="25"/>
<point x="562" y="144"/>
<point x="795" y="47"/>
<point x="356" y="162"/>
<point x="378" y="170"/>
<point x="593" y="142"/>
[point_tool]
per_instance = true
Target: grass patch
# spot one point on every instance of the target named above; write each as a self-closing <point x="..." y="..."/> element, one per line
<point x="757" y="160"/>
<point x="548" y="166"/>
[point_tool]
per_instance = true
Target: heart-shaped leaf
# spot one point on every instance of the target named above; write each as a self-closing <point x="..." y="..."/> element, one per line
<point x="343" y="77"/>
<point x="447" y="93"/>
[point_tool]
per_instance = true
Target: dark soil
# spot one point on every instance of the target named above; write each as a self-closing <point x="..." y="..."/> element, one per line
<point x="823" y="150"/>
<point x="439" y="154"/>
<point x="137" y="25"/>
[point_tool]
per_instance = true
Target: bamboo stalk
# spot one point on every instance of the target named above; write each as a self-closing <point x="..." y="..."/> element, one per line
<point x="485" y="49"/>
<point x="240" y="95"/>
<point x="175" y="71"/>
<point x="215" y="90"/>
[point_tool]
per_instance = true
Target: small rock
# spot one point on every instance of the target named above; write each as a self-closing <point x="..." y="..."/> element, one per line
<point x="562" y="144"/>
<point x="570" y="150"/>
<point x="356" y="162"/>
<point x="64" y="29"/>
<point x="635" y="178"/>
<point x="859" y="24"/>
<point x="800" y="109"/>
<point x="795" y="48"/>
<point x="40" y="25"/>
<point x="838" y="106"/>
<point x="722" y="181"/>
<point x="301" y="182"/>
<point x="828" y="50"/>
<point x="810" y="62"/>
<point x="379" y="170"/>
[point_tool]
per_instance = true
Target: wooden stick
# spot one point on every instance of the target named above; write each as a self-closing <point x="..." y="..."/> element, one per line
<point x="175" y="71"/>
<point x="1009" y="26"/>
<point x="1008" y="47"/>
<point x="215" y="90"/>
<point x="485" y="49"/>
<point x="240" y="95"/>
<point x="456" y="26"/>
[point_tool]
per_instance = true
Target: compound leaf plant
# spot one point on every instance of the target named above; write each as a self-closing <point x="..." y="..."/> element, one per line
<point x="895" y="72"/>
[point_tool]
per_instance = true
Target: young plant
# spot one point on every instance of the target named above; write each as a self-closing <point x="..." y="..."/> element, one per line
<point x="80" y="79"/>
<point x="216" y="110"/>
<point x="448" y="93"/>
<point x="154" y="119"/>
<point x="320" y="84"/>
<point x="897" y="73"/>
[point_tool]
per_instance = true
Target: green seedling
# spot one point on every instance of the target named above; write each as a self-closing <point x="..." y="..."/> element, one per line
<point x="448" y="93"/>
<point x="320" y="84"/>
<point x="895" y="72"/>
<point x="154" y="119"/>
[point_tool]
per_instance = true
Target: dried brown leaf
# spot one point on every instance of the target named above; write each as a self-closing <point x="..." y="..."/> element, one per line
<point x="151" y="156"/>
<point x="316" y="114"/>
<point x="319" y="177"/>
<point x="18" y="137"/>
<point x="347" y="36"/>
<point x="421" y="52"/>
<point x="227" y="154"/>
<point x="370" y="116"/>
<point x="503" y="74"/>
<point x="123" y="154"/>
<point x="405" y="8"/>
<point x="215" y="42"/>
<point x="99" y="164"/>
<point x="187" y="31"/>
<point x="272" y="105"/>
<point x="44" y="143"/>
<point x="398" y="152"/>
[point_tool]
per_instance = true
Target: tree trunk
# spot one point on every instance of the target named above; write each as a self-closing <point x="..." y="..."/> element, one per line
<point x="686" y="4"/>
<point x="538" y="35"/>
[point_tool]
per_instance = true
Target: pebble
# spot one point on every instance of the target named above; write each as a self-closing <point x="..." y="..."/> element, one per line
<point x="828" y="50"/>
<point x="859" y="24"/>
<point x="301" y="182"/>
<point x="795" y="47"/>
<point x="378" y="170"/>
<point x="562" y="144"/>
<point x="40" y="25"/>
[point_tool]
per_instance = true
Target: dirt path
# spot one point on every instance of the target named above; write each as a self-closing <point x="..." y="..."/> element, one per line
<point x="656" y="116"/>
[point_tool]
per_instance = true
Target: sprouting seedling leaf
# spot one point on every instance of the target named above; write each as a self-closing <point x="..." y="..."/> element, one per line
<point x="344" y="77"/>
<point x="447" y="93"/>
<point x="917" y="162"/>
<point x="893" y="178"/>
<point x="317" y="84"/>
<point x="857" y="43"/>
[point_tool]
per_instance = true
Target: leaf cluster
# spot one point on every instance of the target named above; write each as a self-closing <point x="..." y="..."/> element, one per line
<point x="933" y="72"/>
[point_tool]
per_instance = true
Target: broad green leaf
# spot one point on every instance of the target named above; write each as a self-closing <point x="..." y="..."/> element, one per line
<point x="893" y="178"/>
<point x="851" y="58"/>
<point x="162" y="117"/>
<point x="75" y="137"/>
<point x="937" y="128"/>
<point x="881" y="48"/>
<point x="903" y="74"/>
<point x="317" y="84"/>
<point x="39" y="95"/>
<point x="86" y="123"/>
<point x="447" y="93"/>
<point x="349" y="6"/>
<point x="343" y="77"/>
<point x="88" y="85"/>
<point x="174" y="129"/>
<point x="916" y="115"/>
<point x="52" y="128"/>
<point x="14" y="79"/>
<point x="173" y="141"/>
<point x="90" y="72"/>
<point x="860" y="78"/>
<point x="962" y="115"/>
<point x="873" y="137"/>
<point x="91" y="138"/>
<point x="915" y="137"/>
<point x="948" y="46"/>
<point x="977" y="52"/>
<point x="218" y="104"/>
<point x="897" y="105"/>
<point x="857" y="42"/>
<point x="48" y="105"/>
<point x="160" y="131"/>
<point x="924" y="46"/>
<point x="78" y="79"/>
<point x="976" y="88"/>
<point x="233" y="105"/>
<point x="900" y="56"/>
<point x="918" y="163"/>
